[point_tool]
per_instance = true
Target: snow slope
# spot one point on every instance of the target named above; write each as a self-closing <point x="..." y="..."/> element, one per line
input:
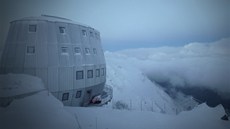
<point x="18" y="84"/>
<point x="133" y="90"/>
<point x="202" y="117"/>
<point x="44" y="111"/>
<point x="39" y="111"/>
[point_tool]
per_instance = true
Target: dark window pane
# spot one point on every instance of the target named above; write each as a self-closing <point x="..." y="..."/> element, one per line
<point x="87" y="51"/>
<point x="90" y="74"/>
<point x="79" y="75"/>
<point x="97" y="72"/>
<point x="32" y="28"/>
<point x="30" y="49"/>
<point x="62" y="30"/>
<point x="77" y="50"/>
<point x="91" y="34"/>
<point x="64" y="49"/>
<point x="102" y="71"/>
<point x="94" y="50"/>
<point x="84" y="33"/>
<point x="65" y="96"/>
<point x="78" y="94"/>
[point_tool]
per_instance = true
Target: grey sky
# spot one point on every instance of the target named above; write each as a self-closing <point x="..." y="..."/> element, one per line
<point x="134" y="23"/>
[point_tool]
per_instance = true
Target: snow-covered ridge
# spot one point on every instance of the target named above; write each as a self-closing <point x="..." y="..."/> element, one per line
<point x="133" y="90"/>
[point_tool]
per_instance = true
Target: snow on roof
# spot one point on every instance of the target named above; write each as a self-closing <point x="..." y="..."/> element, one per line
<point x="18" y="84"/>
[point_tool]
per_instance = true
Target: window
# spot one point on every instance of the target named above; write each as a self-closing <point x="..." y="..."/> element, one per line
<point x="62" y="30"/>
<point x="91" y="34"/>
<point x="87" y="51"/>
<point x="65" y="96"/>
<point x="30" y="49"/>
<point x="84" y="33"/>
<point x="97" y="72"/>
<point x="64" y="49"/>
<point x="78" y="94"/>
<point x="94" y="51"/>
<point x="32" y="28"/>
<point x="77" y="50"/>
<point x="90" y="74"/>
<point x="102" y="71"/>
<point x="97" y="35"/>
<point x="79" y="75"/>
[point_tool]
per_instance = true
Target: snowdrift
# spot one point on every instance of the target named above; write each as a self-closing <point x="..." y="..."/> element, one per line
<point x="40" y="110"/>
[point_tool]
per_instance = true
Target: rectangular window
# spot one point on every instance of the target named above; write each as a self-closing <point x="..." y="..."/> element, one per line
<point x="97" y="72"/>
<point x="102" y="71"/>
<point x="78" y="94"/>
<point x="90" y="74"/>
<point x="79" y="75"/>
<point x="87" y="51"/>
<point x="30" y="50"/>
<point x="97" y="35"/>
<point x="77" y="50"/>
<point x="94" y="51"/>
<point x="84" y="33"/>
<point x="32" y="28"/>
<point x="65" y="96"/>
<point x="62" y="30"/>
<point x="64" y="50"/>
<point x="91" y="34"/>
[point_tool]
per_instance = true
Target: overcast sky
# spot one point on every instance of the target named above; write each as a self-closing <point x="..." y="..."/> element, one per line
<point x="133" y="23"/>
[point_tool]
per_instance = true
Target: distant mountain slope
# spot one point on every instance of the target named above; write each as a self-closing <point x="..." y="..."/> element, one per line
<point x="133" y="90"/>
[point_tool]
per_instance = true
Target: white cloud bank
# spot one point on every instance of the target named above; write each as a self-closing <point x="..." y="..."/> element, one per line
<point x="195" y="64"/>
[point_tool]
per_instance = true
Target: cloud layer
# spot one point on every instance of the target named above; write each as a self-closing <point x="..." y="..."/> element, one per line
<point x="195" y="64"/>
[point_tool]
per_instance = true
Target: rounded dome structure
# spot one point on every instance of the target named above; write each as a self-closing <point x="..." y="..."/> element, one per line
<point x="66" y="55"/>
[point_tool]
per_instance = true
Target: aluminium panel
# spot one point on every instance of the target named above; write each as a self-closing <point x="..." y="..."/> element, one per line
<point x="65" y="78"/>
<point x="64" y="56"/>
<point x="77" y="57"/>
<point x="62" y="37"/>
<point x="41" y="56"/>
<point x="10" y="54"/>
<point x="30" y="59"/>
<point x="53" y="56"/>
<point x="89" y="81"/>
<point x="74" y="33"/>
<point x="42" y="73"/>
<point x="51" y="33"/>
<point x="42" y="29"/>
<point x="20" y="55"/>
<point x="12" y="35"/>
<point x="31" y="36"/>
<point x="53" y="79"/>
<point x="78" y="83"/>
<point x="77" y="101"/>
<point x="22" y="31"/>
<point x="70" y="95"/>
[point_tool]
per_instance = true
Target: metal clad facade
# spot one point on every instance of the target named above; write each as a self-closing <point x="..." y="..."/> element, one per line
<point x="20" y="50"/>
<point x="51" y="33"/>
<point x="43" y="74"/>
<point x="53" y="55"/>
<point x="74" y="32"/>
<point x="41" y="55"/>
<point x="53" y="79"/>
<point x="55" y="49"/>
<point x="62" y="37"/>
<point x="65" y="78"/>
